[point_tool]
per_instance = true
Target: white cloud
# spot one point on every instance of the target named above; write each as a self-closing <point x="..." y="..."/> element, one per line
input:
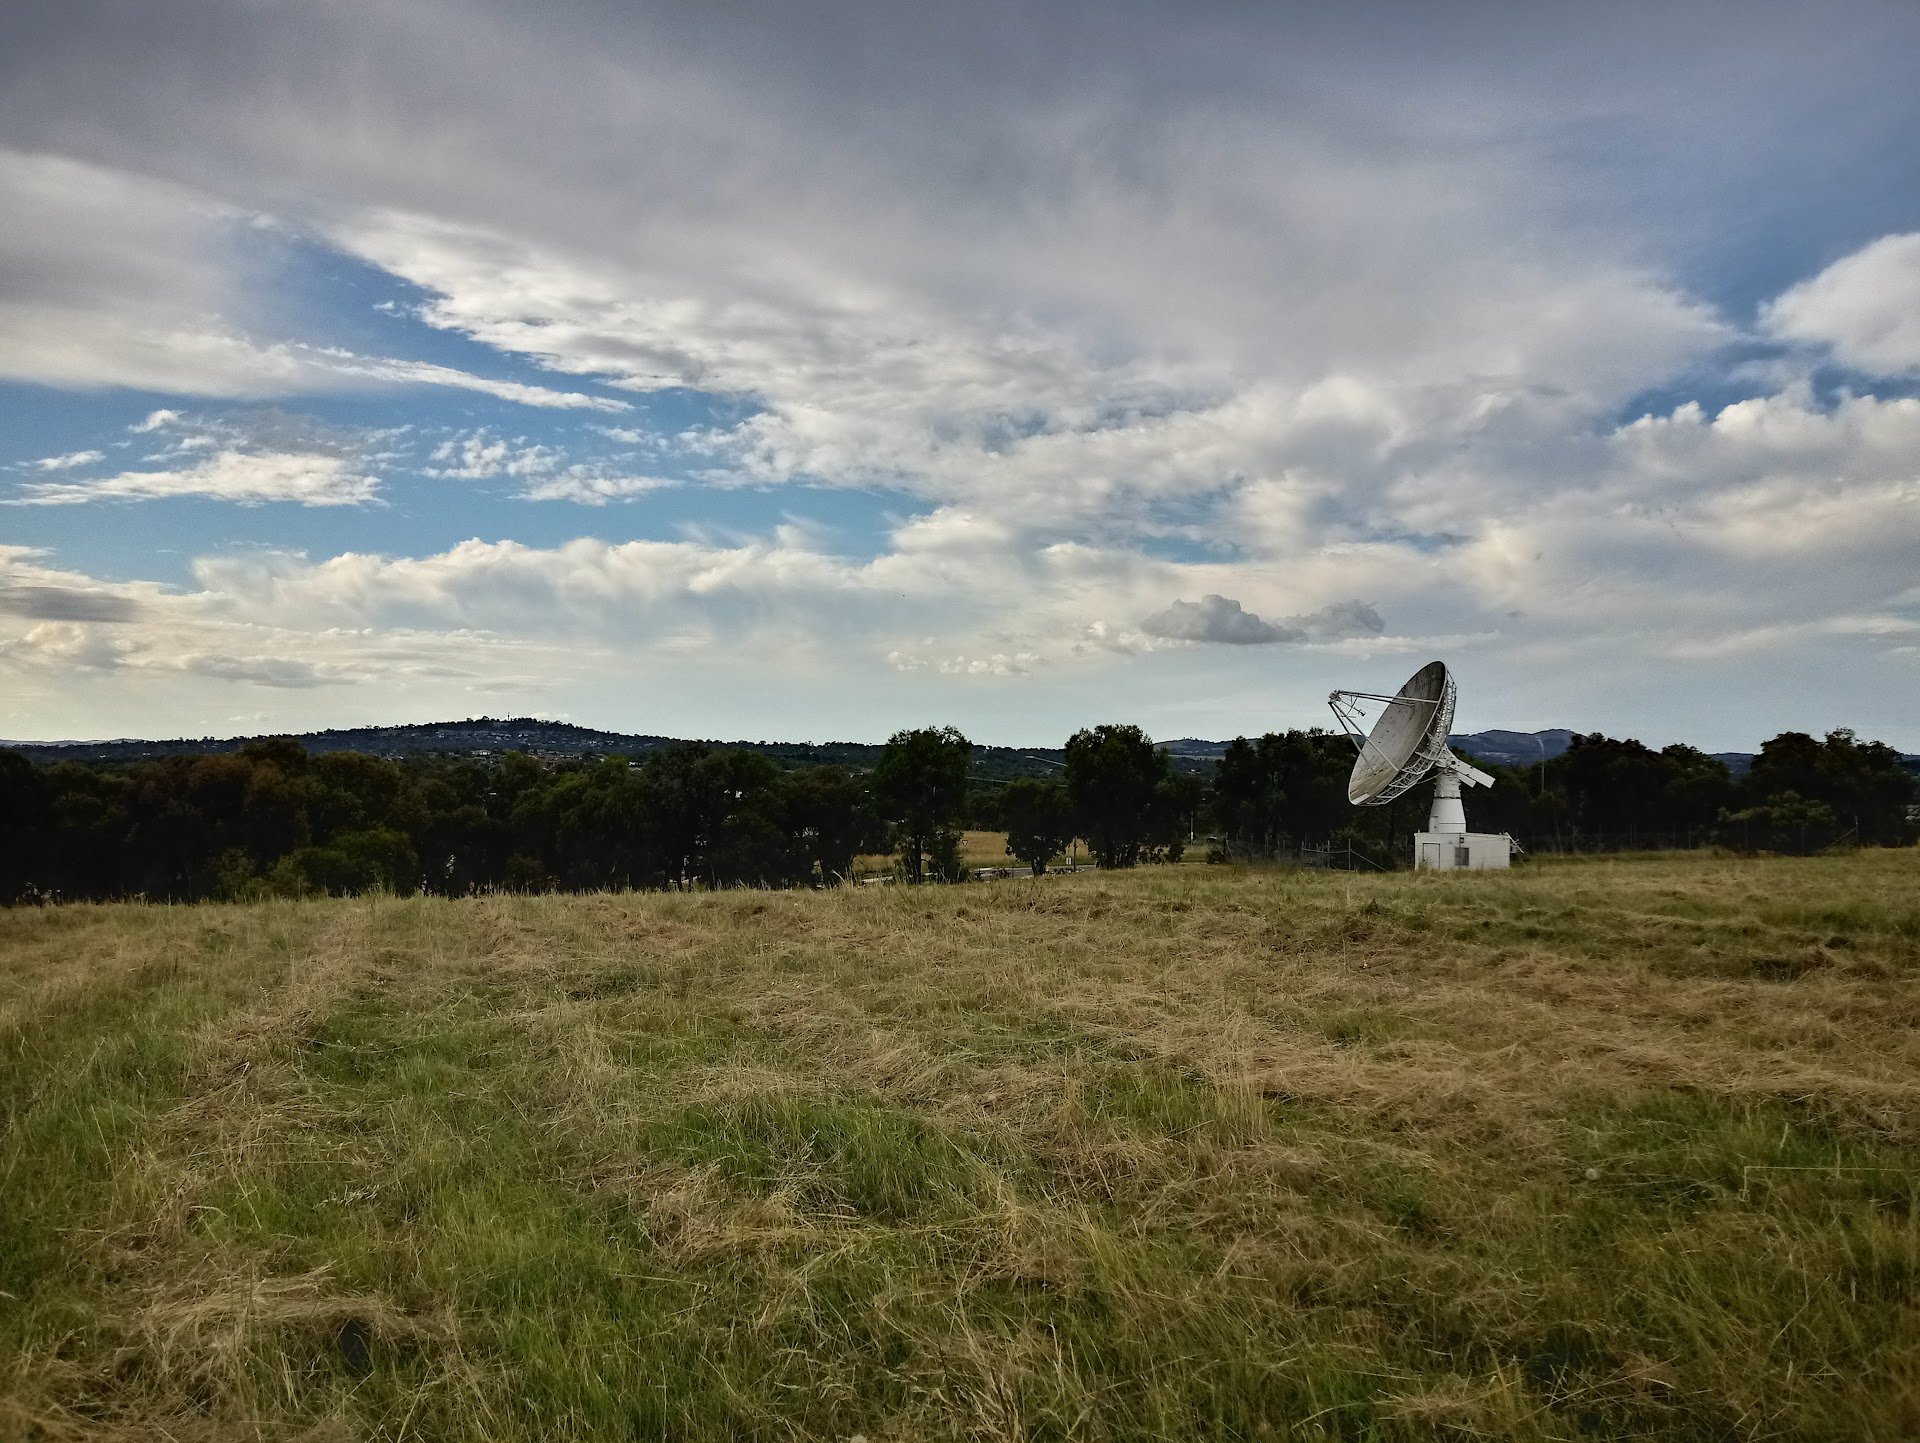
<point x="422" y="373"/>
<point x="74" y="631"/>
<point x="589" y="486"/>
<point x="116" y="279"/>
<point x="1216" y="618"/>
<point x="856" y="382"/>
<point x="250" y="479"/>
<point x="1865" y="307"/>
<point x="997" y="664"/>
<point x="1778" y="475"/>
<point x="122" y="280"/>
<point x="70" y="460"/>
<point x="1321" y="322"/>
<point x="275" y="671"/>
<point x="479" y="455"/>
<point x="68" y="603"/>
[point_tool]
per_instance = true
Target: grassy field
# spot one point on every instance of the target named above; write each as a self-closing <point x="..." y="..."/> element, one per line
<point x="977" y="849"/>
<point x="1617" y="1148"/>
<point x="985" y="849"/>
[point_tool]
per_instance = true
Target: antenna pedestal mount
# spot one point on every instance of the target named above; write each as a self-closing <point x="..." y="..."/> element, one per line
<point x="1448" y="813"/>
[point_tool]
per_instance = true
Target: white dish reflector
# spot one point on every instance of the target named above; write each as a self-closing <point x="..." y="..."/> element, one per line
<point x="1406" y="740"/>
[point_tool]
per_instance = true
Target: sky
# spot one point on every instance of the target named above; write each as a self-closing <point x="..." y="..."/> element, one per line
<point x="808" y="372"/>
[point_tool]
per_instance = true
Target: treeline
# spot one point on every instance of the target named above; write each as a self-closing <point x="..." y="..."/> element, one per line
<point x="1802" y="794"/>
<point x="271" y="819"/>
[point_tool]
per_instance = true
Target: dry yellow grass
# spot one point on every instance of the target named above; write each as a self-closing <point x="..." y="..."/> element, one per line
<point x="977" y="849"/>
<point x="985" y="849"/>
<point x="1620" y="1148"/>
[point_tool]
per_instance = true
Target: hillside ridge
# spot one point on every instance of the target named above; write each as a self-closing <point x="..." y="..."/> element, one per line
<point x="491" y="736"/>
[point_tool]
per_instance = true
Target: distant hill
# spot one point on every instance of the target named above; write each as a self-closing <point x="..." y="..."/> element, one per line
<point x="1193" y="749"/>
<point x="1508" y="749"/>
<point x="1512" y="749"/>
<point x="1526" y="749"/>
<point x="1517" y="749"/>
<point x="491" y="736"/>
<point x="483" y="737"/>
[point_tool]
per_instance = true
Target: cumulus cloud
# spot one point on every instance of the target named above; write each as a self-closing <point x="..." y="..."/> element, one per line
<point x="1865" y="307"/>
<point x="1214" y="618"/>
<point x="1340" y="621"/>
<point x="479" y="455"/>
<point x="250" y="479"/>
<point x="59" y="627"/>
<point x="1219" y="618"/>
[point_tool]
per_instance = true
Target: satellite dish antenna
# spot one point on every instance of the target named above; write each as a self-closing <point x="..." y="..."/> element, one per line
<point x="1406" y="741"/>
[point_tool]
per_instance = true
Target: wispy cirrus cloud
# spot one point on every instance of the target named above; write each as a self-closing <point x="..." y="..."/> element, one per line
<point x="123" y="280"/>
<point x="249" y="479"/>
<point x="423" y="373"/>
<point x="69" y="461"/>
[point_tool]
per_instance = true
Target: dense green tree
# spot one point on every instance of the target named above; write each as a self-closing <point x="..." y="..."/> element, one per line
<point x="26" y="828"/>
<point x="1864" y="785"/>
<point x="464" y="846"/>
<point x="1624" y="791"/>
<point x="1249" y="803"/>
<point x="591" y="826"/>
<point x="921" y="786"/>
<point x="830" y="820"/>
<point x="750" y="844"/>
<point x="1113" y="777"/>
<point x="353" y="791"/>
<point x="1172" y="815"/>
<point x="1284" y="789"/>
<point x="93" y="853"/>
<point x="1038" y="818"/>
<point x="710" y="815"/>
<point x="372" y="859"/>
<point x="1784" y="822"/>
<point x="1694" y="791"/>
